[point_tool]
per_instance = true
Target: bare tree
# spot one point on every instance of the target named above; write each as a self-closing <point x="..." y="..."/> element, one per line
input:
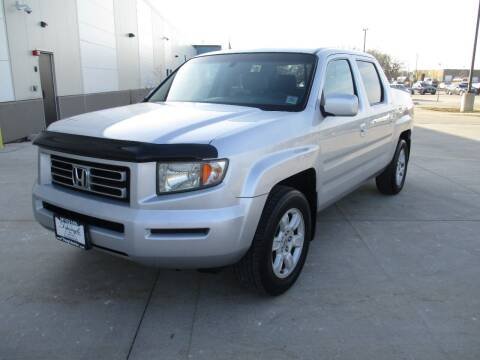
<point x="390" y="66"/>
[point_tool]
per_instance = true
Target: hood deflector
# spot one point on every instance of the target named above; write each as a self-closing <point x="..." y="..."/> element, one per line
<point x="123" y="150"/>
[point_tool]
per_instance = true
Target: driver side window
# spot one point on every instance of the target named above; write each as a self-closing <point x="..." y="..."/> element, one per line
<point x="339" y="79"/>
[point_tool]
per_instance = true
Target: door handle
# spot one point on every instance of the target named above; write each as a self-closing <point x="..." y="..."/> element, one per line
<point x="383" y="120"/>
<point x="363" y="129"/>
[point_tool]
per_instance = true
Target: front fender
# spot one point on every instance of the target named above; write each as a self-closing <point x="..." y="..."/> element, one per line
<point x="269" y="170"/>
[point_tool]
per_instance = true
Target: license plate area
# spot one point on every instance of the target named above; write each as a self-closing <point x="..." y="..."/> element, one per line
<point x="71" y="231"/>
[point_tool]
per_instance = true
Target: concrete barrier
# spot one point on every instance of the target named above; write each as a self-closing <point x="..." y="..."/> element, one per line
<point x="467" y="102"/>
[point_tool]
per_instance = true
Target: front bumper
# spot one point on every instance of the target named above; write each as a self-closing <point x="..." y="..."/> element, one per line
<point x="165" y="238"/>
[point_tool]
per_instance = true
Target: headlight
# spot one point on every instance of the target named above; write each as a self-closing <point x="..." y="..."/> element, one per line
<point x="179" y="176"/>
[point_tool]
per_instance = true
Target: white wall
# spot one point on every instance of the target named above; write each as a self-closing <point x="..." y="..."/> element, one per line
<point x="21" y="43"/>
<point x="161" y="45"/>
<point x="158" y="46"/>
<point x="176" y="48"/>
<point x="148" y="78"/>
<point x="59" y="37"/>
<point x="6" y="86"/>
<point x="98" y="49"/>
<point x="91" y="50"/>
<point x="127" y="47"/>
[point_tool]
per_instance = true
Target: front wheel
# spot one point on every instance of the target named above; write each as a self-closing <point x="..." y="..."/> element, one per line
<point x="280" y="245"/>
<point x="392" y="179"/>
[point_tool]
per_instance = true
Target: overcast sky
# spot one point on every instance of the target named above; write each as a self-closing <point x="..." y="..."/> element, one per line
<point x="439" y="31"/>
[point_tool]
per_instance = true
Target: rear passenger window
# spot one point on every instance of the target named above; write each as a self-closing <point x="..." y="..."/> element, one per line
<point x="338" y="78"/>
<point x="372" y="82"/>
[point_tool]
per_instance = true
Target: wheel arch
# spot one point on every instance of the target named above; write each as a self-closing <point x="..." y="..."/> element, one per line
<point x="274" y="168"/>
<point x="305" y="182"/>
<point x="407" y="136"/>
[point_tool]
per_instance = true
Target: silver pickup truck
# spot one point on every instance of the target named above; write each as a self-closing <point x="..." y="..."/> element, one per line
<point x="227" y="162"/>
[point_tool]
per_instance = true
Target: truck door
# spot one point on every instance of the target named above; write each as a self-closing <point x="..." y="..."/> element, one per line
<point x="379" y="117"/>
<point x="341" y="137"/>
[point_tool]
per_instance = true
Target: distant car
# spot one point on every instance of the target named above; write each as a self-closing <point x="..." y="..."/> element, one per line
<point x="444" y="85"/>
<point x="401" y="87"/>
<point x="423" y="88"/>
<point x="430" y="81"/>
<point x="458" y="89"/>
<point x="450" y="88"/>
<point x="476" y="88"/>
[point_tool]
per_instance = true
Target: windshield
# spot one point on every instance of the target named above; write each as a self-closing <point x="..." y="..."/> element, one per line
<point x="270" y="81"/>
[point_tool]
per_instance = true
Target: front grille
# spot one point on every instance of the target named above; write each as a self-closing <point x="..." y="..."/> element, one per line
<point x="101" y="179"/>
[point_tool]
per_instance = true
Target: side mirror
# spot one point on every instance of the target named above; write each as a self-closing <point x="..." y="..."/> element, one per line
<point x="341" y="105"/>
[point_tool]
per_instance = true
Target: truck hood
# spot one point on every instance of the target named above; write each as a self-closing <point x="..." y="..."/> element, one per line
<point x="164" y="123"/>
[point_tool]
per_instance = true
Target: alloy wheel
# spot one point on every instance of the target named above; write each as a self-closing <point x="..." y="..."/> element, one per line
<point x="401" y="167"/>
<point x="288" y="243"/>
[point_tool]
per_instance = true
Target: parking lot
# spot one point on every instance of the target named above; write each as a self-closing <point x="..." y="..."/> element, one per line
<point x="386" y="278"/>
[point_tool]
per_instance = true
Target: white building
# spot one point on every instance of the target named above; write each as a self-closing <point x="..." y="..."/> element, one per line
<point x="59" y="58"/>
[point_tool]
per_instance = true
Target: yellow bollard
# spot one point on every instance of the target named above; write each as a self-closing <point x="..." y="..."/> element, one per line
<point x="1" y="139"/>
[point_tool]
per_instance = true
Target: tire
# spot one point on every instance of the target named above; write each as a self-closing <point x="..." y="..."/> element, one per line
<point x="388" y="182"/>
<point x="256" y="269"/>
<point x="434" y="92"/>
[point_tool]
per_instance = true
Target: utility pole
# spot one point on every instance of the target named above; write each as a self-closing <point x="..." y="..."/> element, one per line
<point x="438" y="92"/>
<point x="468" y="99"/>
<point x="416" y="67"/>
<point x="470" y="77"/>
<point x="365" y="39"/>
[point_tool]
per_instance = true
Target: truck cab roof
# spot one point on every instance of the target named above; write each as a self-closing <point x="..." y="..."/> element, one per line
<point x="326" y="51"/>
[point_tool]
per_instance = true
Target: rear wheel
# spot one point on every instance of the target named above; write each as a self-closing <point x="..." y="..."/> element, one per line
<point x="280" y="245"/>
<point x="392" y="179"/>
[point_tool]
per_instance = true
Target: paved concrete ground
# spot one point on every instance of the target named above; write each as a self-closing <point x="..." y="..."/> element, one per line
<point x="441" y="100"/>
<point x="386" y="278"/>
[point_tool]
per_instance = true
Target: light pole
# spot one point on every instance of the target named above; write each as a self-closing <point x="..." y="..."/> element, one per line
<point x="416" y="67"/>
<point x="438" y="92"/>
<point x="474" y="51"/>
<point x="364" y="38"/>
<point x="468" y="99"/>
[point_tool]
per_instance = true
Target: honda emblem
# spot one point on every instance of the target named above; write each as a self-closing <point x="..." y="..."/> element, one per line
<point x="80" y="177"/>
